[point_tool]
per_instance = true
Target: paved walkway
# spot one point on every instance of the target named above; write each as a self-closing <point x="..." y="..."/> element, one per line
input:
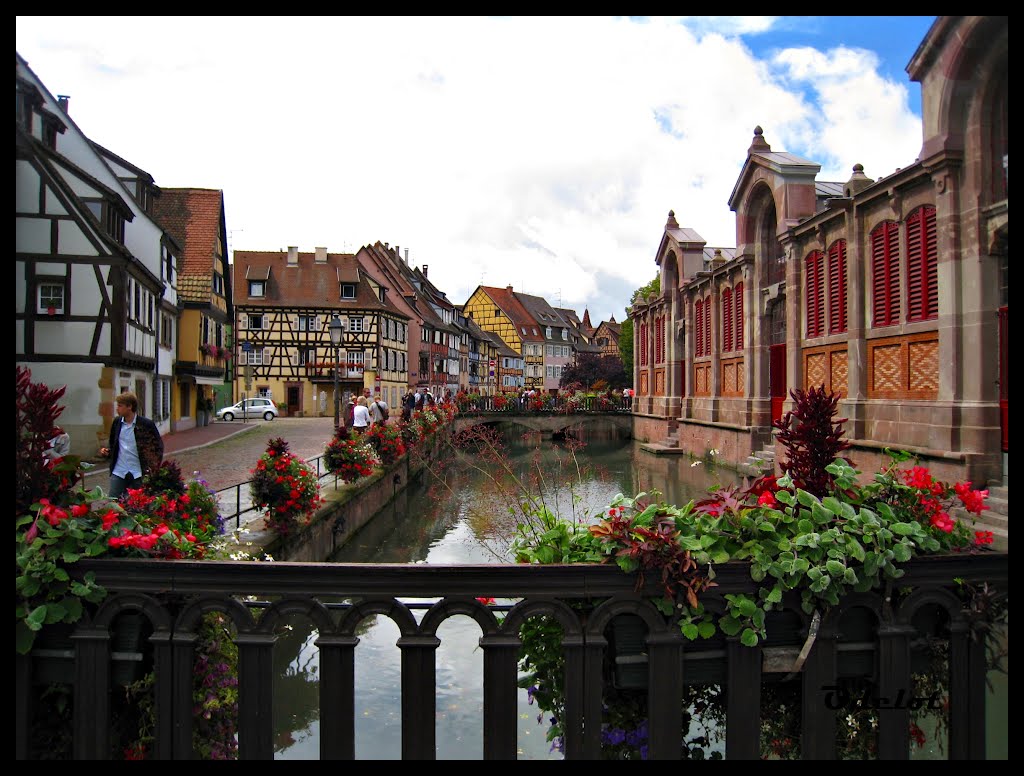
<point x="224" y="452"/>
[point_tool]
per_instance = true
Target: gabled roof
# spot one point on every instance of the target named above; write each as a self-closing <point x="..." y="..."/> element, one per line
<point x="505" y="299"/>
<point x="193" y="218"/>
<point x="307" y="284"/>
<point x="544" y="314"/>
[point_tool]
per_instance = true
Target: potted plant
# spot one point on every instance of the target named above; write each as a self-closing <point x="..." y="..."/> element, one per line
<point x="284" y="487"/>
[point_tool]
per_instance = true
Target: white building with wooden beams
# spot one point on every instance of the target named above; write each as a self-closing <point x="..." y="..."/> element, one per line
<point x="284" y="304"/>
<point x="95" y="294"/>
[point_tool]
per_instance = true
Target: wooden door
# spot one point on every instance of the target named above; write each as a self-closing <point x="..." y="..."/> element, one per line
<point x="294" y="396"/>
<point x="777" y="378"/>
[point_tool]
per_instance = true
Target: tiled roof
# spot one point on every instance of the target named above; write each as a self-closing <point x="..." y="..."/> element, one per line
<point x="307" y="284"/>
<point x="192" y="216"/>
<point x="544" y="314"/>
<point x="513" y="308"/>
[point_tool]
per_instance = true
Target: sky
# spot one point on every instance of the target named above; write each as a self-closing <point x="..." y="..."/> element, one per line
<point x="538" y="152"/>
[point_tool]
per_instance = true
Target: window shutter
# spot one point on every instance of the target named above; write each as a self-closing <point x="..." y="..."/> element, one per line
<point x="366" y="323"/>
<point x="737" y="303"/>
<point x="815" y="294"/>
<point x="707" y="326"/>
<point x="243" y="358"/>
<point x="915" y="268"/>
<point x="294" y="322"/>
<point x="727" y="320"/>
<point x="930" y="270"/>
<point x="837" y="287"/>
<point x="698" y="329"/>
<point x="885" y="276"/>
<point x="293" y="356"/>
<point x="243" y="321"/>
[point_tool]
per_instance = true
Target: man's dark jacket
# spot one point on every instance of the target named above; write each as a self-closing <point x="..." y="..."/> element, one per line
<point x="147" y="440"/>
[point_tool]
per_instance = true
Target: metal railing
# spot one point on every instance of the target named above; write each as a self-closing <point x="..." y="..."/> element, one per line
<point x="173" y="597"/>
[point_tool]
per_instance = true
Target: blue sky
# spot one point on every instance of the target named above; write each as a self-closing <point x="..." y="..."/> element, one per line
<point x="542" y="153"/>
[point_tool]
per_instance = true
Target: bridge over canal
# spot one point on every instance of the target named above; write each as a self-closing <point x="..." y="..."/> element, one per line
<point x="545" y="422"/>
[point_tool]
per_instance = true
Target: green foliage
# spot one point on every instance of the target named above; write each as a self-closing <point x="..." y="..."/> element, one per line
<point x="626" y="347"/>
<point x="641" y="294"/>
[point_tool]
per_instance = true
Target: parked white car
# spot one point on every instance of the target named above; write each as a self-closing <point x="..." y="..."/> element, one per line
<point x="249" y="408"/>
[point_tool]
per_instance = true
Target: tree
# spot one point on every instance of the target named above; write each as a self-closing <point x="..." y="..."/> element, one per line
<point x="626" y="346"/>
<point x="626" y="332"/>
<point x="592" y="367"/>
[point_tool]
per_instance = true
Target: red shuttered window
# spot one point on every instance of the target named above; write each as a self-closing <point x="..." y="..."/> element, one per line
<point x="727" y="320"/>
<point x="698" y="340"/>
<point x="837" y="287"/>
<point x="659" y="340"/>
<point x="885" y="274"/>
<point x="707" y="326"/>
<point x="922" y="265"/>
<point x="737" y="303"/>
<point x="815" y="293"/>
<point x="643" y="344"/>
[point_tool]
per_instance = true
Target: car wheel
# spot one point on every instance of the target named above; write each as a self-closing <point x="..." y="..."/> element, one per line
<point x="228" y="416"/>
<point x="268" y="415"/>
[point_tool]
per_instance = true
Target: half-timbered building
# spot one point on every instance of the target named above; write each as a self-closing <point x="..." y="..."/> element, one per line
<point x="498" y="310"/>
<point x="196" y="219"/>
<point x="285" y="303"/>
<point x="606" y="337"/>
<point x="558" y="349"/>
<point x="95" y="286"/>
<point x="891" y="291"/>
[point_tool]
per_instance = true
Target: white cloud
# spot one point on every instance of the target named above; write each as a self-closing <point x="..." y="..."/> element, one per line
<point x="544" y="153"/>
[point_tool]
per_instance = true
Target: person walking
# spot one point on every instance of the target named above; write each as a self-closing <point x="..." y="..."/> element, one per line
<point x="379" y="410"/>
<point x="135" y="446"/>
<point x="408" y="405"/>
<point x="360" y="416"/>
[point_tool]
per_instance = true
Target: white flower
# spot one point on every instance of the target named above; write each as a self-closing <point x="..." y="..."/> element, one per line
<point x="695" y="463"/>
<point x="712" y="452"/>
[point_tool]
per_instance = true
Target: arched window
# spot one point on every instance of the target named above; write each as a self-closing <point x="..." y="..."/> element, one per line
<point x="727" y="320"/>
<point x="837" y="287"/>
<point x="922" y="265"/>
<point x="815" y="293"/>
<point x="885" y="274"/>
<point x="737" y="303"/>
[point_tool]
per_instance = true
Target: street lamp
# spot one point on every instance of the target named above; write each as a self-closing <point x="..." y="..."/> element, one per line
<point x="335" y="330"/>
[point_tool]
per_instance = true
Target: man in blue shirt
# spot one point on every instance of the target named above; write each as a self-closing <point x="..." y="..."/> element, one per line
<point x="135" y="448"/>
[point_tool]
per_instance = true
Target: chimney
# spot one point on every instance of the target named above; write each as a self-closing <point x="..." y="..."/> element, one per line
<point x="62" y="101"/>
<point x="508" y="288"/>
<point x="293" y="255"/>
<point x="407" y="257"/>
<point x="321" y="255"/>
<point x="425" y="268"/>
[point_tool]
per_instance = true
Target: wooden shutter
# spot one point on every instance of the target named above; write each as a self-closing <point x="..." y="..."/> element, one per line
<point x="698" y="344"/>
<point x="885" y="276"/>
<point x="243" y="321"/>
<point x="837" y="287"/>
<point x="707" y="326"/>
<point x="737" y="303"/>
<point x="922" y="265"/>
<point x="815" y="294"/>
<point x="727" y="320"/>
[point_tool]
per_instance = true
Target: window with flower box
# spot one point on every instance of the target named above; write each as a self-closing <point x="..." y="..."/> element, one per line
<point x="50" y="298"/>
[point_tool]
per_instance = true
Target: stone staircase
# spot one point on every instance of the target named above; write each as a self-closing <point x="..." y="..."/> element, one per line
<point x="994" y="518"/>
<point x="760" y="463"/>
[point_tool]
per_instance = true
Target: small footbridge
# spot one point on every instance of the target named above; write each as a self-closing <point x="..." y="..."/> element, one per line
<point x="554" y="423"/>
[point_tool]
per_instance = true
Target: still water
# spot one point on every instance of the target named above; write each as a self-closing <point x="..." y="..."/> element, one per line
<point x="461" y="516"/>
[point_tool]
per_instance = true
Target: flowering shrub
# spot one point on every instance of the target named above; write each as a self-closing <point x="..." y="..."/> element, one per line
<point x="285" y="487"/>
<point x="349" y="457"/>
<point x="214" y="696"/>
<point x="386" y="440"/>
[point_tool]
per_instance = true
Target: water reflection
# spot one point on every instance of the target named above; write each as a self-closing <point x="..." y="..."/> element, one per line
<point x="457" y="515"/>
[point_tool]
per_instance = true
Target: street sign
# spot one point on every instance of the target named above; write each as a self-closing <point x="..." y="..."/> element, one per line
<point x="246" y="346"/>
<point x="248" y="377"/>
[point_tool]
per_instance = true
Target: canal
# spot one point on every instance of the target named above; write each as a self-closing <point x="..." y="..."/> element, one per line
<point x="467" y="515"/>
